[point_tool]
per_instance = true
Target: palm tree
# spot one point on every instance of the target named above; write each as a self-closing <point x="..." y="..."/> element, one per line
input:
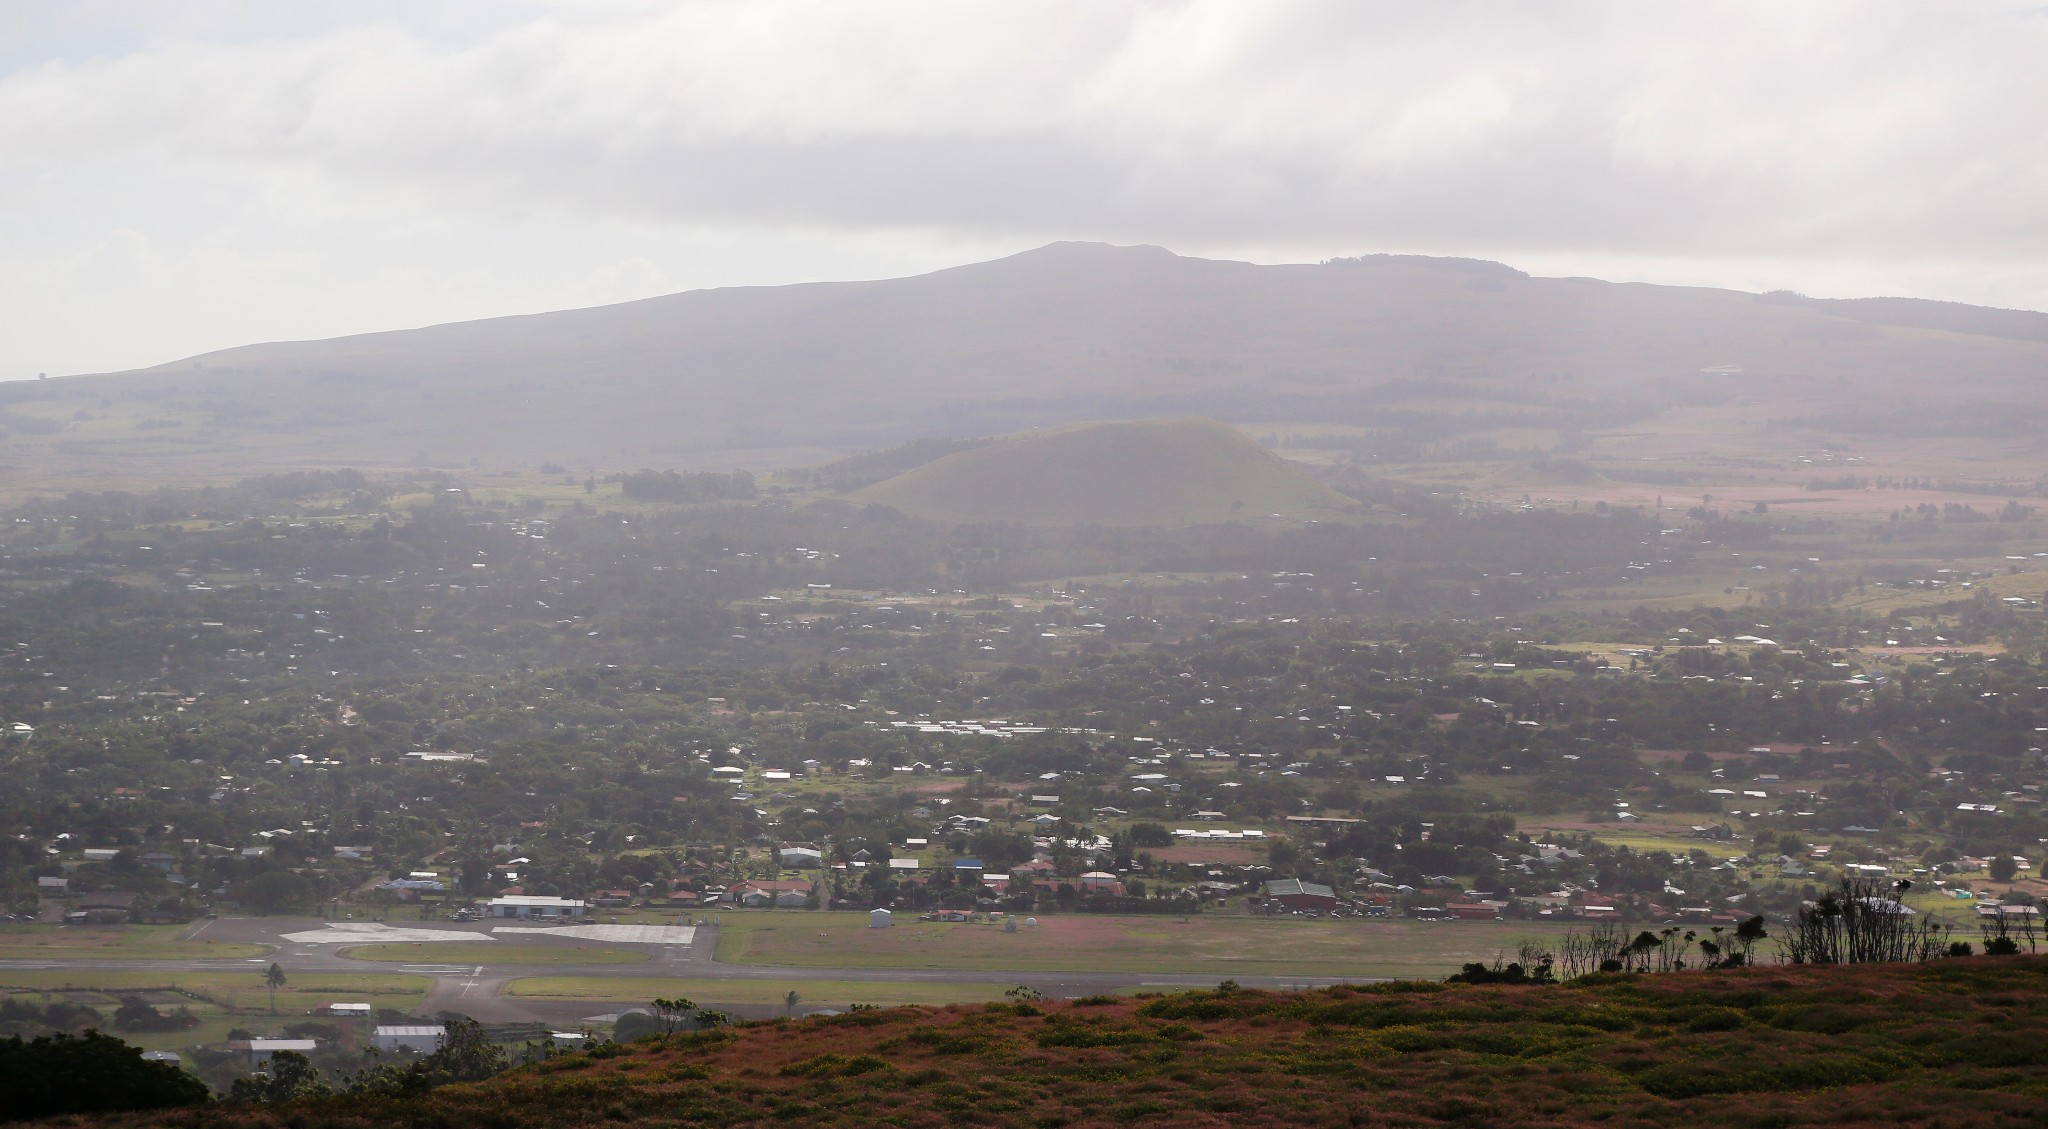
<point x="275" y="979"/>
<point x="789" y="1002"/>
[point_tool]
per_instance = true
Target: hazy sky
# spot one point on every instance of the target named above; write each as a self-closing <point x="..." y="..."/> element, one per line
<point x="176" y="177"/>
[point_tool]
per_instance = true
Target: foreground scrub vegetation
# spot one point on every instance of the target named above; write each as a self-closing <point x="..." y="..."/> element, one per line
<point x="1955" y="1043"/>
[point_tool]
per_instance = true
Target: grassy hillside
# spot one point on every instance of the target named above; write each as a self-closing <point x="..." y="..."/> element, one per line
<point x="1146" y="472"/>
<point x="1957" y="1043"/>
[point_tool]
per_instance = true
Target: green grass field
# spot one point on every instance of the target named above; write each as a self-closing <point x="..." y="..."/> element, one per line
<point x="1211" y="945"/>
<point x="444" y="952"/>
<point x="114" y="942"/>
<point x="1638" y="839"/>
<point x="639" y="990"/>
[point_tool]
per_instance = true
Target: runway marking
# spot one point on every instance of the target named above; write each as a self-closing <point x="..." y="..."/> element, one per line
<point x="376" y="932"/>
<point x="625" y="934"/>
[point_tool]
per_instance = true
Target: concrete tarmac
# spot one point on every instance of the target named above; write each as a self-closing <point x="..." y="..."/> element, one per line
<point x="478" y="990"/>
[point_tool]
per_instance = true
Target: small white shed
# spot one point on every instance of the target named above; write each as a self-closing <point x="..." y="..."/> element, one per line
<point x="878" y="919"/>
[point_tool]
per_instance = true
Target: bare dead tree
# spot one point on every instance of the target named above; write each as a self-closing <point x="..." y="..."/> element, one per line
<point x="1599" y="947"/>
<point x="2006" y="934"/>
<point x="1863" y="921"/>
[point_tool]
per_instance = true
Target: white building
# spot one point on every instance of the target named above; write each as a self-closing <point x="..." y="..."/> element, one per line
<point x="260" y="1050"/>
<point x="534" y="905"/>
<point x="349" y="1011"/>
<point x="422" y="1038"/>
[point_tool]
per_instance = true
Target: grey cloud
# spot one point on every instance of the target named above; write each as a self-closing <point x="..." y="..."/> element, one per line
<point x="1761" y="136"/>
<point x="1522" y="126"/>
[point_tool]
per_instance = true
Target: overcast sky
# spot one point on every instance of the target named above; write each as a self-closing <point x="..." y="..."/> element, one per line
<point x="177" y="177"/>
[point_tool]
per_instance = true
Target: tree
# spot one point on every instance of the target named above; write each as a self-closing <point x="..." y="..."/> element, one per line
<point x="637" y="1024"/>
<point x="287" y="1075"/>
<point x="1862" y="922"/>
<point x="466" y="1053"/>
<point x="276" y="890"/>
<point x="1747" y="935"/>
<point x="674" y="1013"/>
<point x="1150" y="835"/>
<point x="789" y="1002"/>
<point x="2003" y="868"/>
<point x="476" y="875"/>
<point x="135" y="1014"/>
<point x="1000" y="850"/>
<point x="89" y="1073"/>
<point x="275" y="979"/>
<point x="1497" y="973"/>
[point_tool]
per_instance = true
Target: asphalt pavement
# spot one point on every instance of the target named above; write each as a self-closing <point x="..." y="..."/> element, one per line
<point x="478" y="990"/>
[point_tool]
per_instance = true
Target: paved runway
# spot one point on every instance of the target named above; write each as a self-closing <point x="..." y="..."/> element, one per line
<point x="478" y="990"/>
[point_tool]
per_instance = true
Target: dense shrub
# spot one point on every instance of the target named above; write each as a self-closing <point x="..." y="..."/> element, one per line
<point x="89" y="1073"/>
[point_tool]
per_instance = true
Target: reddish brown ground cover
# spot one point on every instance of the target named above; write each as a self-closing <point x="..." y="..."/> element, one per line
<point x="1957" y="1043"/>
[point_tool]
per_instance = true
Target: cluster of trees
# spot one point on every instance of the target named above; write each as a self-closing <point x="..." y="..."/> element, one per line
<point x="20" y="1015"/>
<point x="60" y="1074"/>
<point x="602" y="755"/>
<point x="466" y="1054"/>
<point x="138" y="1014"/>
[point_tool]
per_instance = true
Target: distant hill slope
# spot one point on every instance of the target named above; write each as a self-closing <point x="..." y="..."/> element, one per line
<point x="1957" y="1043"/>
<point x="1145" y="472"/>
<point x="794" y="375"/>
